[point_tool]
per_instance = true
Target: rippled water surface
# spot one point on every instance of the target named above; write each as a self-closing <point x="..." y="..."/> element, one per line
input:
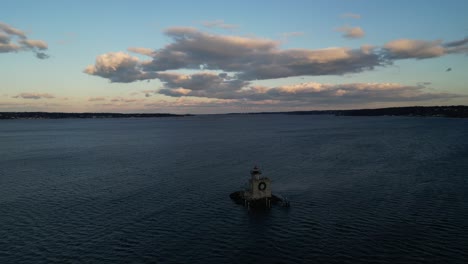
<point x="362" y="190"/>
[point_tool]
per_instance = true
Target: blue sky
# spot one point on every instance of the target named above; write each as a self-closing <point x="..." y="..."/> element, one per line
<point x="237" y="56"/>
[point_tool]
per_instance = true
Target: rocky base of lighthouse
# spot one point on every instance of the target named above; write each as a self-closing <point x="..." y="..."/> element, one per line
<point x="239" y="198"/>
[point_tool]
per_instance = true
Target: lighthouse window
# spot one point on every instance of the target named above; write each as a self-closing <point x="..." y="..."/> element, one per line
<point x="261" y="186"/>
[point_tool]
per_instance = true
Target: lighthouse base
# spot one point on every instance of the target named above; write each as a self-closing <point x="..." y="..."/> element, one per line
<point x="239" y="197"/>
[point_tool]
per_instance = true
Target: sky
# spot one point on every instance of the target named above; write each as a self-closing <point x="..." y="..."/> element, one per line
<point x="204" y="57"/>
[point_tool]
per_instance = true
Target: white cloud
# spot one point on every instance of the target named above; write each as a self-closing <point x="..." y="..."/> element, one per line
<point x="118" y="67"/>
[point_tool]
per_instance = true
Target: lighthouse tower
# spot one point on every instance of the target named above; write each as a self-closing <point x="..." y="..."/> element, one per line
<point x="259" y="186"/>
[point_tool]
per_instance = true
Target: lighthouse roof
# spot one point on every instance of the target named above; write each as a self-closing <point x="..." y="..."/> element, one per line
<point x="255" y="171"/>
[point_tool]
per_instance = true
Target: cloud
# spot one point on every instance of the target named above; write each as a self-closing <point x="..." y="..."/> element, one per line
<point x="227" y="67"/>
<point x="142" y="51"/>
<point x="351" y="32"/>
<point x="191" y="105"/>
<point x="456" y="43"/>
<point x="347" y="93"/>
<point x="218" y="24"/>
<point x="212" y="86"/>
<point x="118" y="67"/>
<point x="96" y="99"/>
<point x="123" y="100"/>
<point x="458" y="46"/>
<point x="11" y="30"/>
<point x="424" y="83"/>
<point x="14" y="40"/>
<point x="149" y="93"/>
<point x="39" y="44"/>
<point x="249" y="58"/>
<point x="209" y="85"/>
<point x="192" y="48"/>
<point x="351" y="15"/>
<point x="9" y="47"/>
<point x="34" y="96"/>
<point x="422" y="49"/>
<point x="42" y="55"/>
<point x="418" y="49"/>
<point x="4" y="39"/>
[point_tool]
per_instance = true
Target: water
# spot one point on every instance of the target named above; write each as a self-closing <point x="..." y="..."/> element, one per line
<point x="362" y="190"/>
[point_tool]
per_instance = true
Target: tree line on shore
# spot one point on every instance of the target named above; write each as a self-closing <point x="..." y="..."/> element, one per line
<point x="459" y="111"/>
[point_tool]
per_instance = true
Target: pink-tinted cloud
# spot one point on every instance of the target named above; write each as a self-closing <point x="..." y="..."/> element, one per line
<point x="118" y="67"/>
<point x="11" y="30"/>
<point x="250" y="58"/>
<point x="422" y="49"/>
<point x="232" y="64"/>
<point x="142" y="51"/>
<point x="210" y="85"/>
<point x="39" y="44"/>
<point x="419" y="49"/>
<point x="351" y="32"/>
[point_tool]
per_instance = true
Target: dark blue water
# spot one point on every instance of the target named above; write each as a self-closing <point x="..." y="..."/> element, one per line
<point x="362" y="190"/>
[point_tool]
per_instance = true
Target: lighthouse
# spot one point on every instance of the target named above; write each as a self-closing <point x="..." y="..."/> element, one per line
<point x="259" y="186"/>
<point x="257" y="193"/>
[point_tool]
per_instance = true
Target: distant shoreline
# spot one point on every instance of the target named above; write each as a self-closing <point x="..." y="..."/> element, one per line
<point x="56" y="115"/>
<point x="457" y="111"/>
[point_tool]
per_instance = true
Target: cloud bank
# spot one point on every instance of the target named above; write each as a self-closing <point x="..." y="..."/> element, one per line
<point x="248" y="58"/>
<point x="210" y="85"/>
<point x="227" y="68"/>
<point x="15" y="40"/>
<point x="251" y="58"/>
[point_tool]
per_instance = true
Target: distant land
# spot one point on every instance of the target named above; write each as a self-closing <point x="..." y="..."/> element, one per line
<point x="459" y="111"/>
<point x="56" y="115"/>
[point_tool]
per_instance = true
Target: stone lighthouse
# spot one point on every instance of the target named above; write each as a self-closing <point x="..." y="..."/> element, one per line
<point x="257" y="193"/>
<point x="259" y="186"/>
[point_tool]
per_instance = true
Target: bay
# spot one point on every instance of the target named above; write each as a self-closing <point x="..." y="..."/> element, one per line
<point x="156" y="190"/>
